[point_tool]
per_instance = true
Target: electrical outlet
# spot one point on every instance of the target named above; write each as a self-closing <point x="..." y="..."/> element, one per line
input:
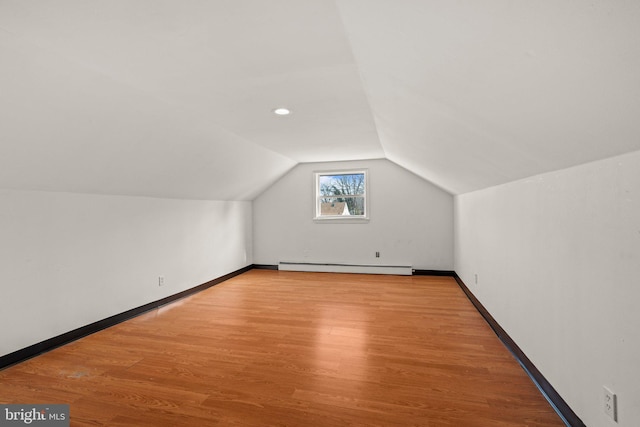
<point x="160" y="280"/>
<point x="610" y="404"/>
<point x="475" y="278"/>
<point x="377" y="254"/>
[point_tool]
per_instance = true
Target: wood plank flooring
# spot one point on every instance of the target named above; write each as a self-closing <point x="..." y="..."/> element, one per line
<point x="270" y="348"/>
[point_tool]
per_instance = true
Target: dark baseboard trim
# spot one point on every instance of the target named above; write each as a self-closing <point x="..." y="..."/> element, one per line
<point x="448" y="273"/>
<point x="564" y="411"/>
<point x="264" y="267"/>
<point x="60" y="340"/>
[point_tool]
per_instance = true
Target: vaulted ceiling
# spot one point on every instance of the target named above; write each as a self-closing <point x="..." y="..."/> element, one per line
<point x="175" y="98"/>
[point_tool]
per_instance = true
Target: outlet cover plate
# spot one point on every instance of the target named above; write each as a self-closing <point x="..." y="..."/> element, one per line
<point x="610" y="404"/>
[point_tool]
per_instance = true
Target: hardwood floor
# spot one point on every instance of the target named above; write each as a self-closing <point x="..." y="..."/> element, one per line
<point x="273" y="348"/>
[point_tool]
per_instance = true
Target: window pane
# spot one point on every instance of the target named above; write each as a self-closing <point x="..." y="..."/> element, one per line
<point x="346" y="184"/>
<point x="341" y="194"/>
<point x="330" y="206"/>
<point x="341" y="206"/>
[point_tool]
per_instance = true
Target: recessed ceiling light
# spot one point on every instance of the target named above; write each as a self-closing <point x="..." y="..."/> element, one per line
<point x="282" y="111"/>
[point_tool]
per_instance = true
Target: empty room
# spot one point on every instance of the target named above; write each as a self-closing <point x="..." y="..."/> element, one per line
<point x="320" y="213"/>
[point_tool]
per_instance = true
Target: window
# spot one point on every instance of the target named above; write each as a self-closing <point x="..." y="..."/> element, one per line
<point x="341" y="195"/>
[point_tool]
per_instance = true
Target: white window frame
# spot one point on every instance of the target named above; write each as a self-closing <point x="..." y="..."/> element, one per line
<point x="340" y="218"/>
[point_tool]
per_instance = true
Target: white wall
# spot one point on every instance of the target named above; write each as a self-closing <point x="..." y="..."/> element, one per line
<point x="411" y="221"/>
<point x="67" y="260"/>
<point x="558" y="264"/>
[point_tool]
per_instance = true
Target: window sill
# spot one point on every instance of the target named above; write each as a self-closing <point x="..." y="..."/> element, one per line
<point x="334" y="220"/>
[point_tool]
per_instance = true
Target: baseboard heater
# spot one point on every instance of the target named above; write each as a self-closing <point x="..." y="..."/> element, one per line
<point x="401" y="270"/>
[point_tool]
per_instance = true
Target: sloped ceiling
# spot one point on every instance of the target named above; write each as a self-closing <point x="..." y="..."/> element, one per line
<point x="175" y="98"/>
